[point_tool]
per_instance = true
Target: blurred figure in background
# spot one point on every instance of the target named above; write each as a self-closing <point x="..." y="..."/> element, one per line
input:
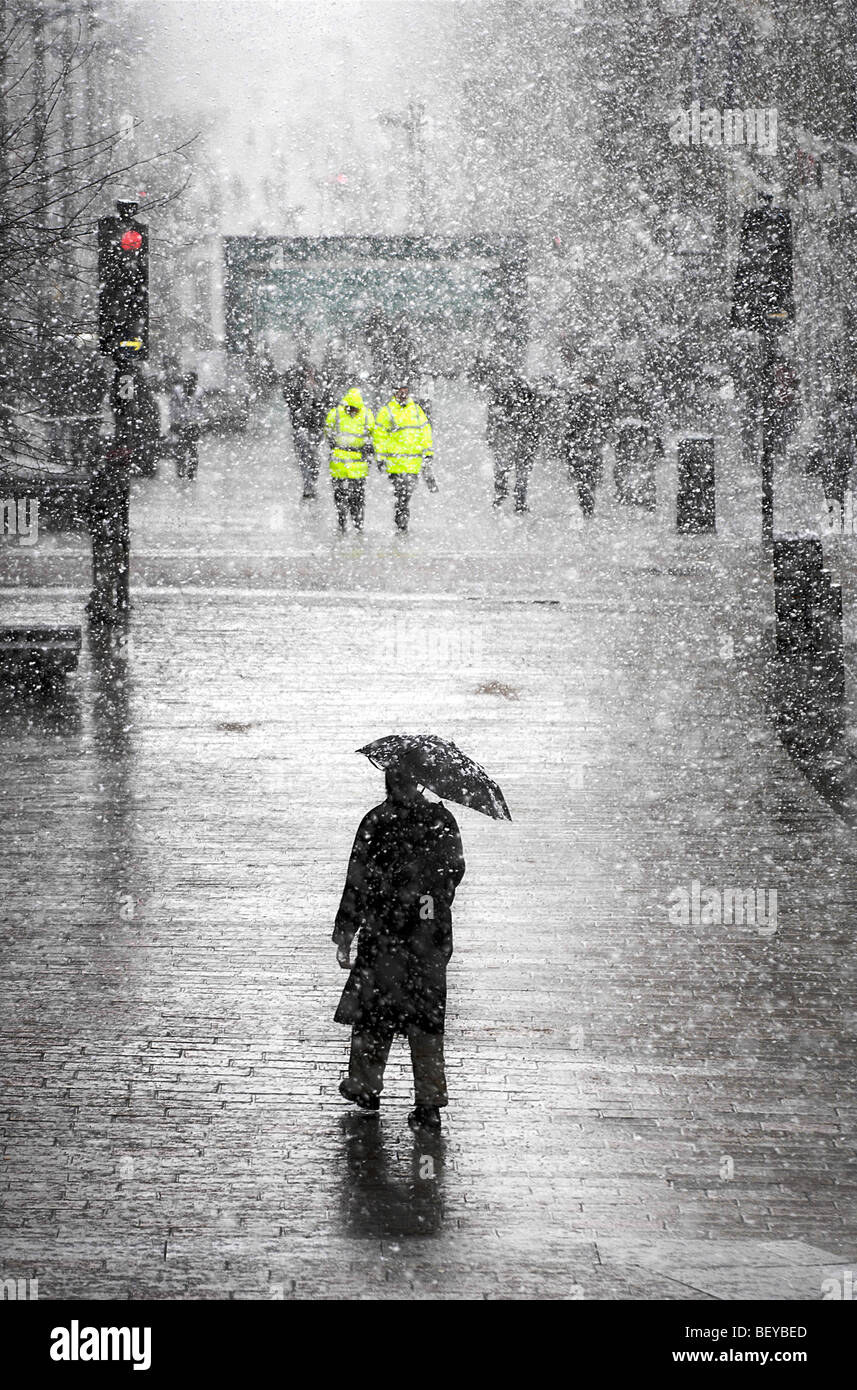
<point x="836" y="455"/>
<point x="333" y="374"/>
<point x="261" y="372"/>
<point x="637" y="442"/>
<point x="186" y="424"/>
<point x="585" y="425"/>
<point x="302" y="392"/>
<point x="377" y="331"/>
<point x="514" y="427"/>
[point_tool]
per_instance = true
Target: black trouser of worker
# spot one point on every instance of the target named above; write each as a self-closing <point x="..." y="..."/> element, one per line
<point x="349" y="496"/>
<point x="403" y="486"/>
<point x="584" y="470"/>
<point x="187" y="450"/>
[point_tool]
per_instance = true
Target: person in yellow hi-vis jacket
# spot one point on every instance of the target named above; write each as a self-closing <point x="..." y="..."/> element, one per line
<point x="348" y="429"/>
<point x="403" y="443"/>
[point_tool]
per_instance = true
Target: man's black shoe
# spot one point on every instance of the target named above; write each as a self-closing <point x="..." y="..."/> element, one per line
<point x="361" y="1098"/>
<point x="424" y="1117"/>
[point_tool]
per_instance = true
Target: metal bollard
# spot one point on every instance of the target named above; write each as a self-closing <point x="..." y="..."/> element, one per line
<point x="827" y="644"/>
<point x="695" y="502"/>
<point x="38" y="658"/>
<point x="808" y="608"/>
<point x="799" y="586"/>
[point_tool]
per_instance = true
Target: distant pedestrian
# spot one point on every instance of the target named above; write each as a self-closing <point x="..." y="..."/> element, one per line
<point x="377" y="332"/>
<point x="585" y="425"/>
<point x="348" y="429"/>
<point x="403" y="444"/>
<point x="637" y="443"/>
<point x="514" y="426"/>
<point x="261" y="373"/>
<point x="185" y="424"/>
<point x="836" y="454"/>
<point x="333" y="374"/>
<point x="404" y="365"/>
<point x="405" y="866"/>
<point x="304" y="397"/>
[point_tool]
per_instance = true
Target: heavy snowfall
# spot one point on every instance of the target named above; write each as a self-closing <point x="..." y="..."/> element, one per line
<point x="428" y="649"/>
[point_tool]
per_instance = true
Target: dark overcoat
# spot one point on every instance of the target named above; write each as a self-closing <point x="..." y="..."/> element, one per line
<point x="405" y="866"/>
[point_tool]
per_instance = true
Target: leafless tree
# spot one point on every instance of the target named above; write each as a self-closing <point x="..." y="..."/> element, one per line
<point x="58" y="170"/>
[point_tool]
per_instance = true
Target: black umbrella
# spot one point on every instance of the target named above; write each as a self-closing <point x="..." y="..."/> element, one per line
<point x="441" y="767"/>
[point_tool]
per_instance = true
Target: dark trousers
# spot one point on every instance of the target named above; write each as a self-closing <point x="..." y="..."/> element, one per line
<point x="349" y="496"/>
<point x="369" y="1053"/>
<point x="187" y="450"/>
<point x="634" y="471"/>
<point x="306" y="449"/>
<point x="403" y="486"/>
<point x="584" y="470"/>
<point x="506" y="458"/>
<point x="835" y="473"/>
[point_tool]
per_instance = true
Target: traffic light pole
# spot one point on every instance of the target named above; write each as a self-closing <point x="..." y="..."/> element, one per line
<point x="109" y="523"/>
<point x="768" y="427"/>
<point x="763" y="301"/>
<point x="123" y="324"/>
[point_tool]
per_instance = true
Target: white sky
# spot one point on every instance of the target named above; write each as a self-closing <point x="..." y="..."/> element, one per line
<point x="316" y="71"/>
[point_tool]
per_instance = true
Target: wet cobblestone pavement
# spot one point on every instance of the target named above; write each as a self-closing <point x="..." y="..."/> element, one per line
<point x="640" y="1107"/>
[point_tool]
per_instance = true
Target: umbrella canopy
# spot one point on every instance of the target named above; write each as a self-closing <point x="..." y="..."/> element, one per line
<point x="441" y="767"/>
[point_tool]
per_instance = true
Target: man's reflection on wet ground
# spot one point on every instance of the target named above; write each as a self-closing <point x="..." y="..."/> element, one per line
<point x="390" y="1188"/>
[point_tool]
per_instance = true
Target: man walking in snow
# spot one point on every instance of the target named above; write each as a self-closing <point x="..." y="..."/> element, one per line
<point x="585" y="427"/>
<point x="405" y="866"/>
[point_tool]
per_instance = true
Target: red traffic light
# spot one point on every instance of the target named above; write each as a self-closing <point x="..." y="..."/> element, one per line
<point x="131" y="241"/>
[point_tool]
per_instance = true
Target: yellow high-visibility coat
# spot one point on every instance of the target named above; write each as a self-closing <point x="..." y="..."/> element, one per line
<point x="403" y="436"/>
<point x="348" y="436"/>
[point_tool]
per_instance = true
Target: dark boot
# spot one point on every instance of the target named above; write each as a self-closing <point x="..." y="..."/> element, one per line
<point x="424" y="1117"/>
<point x="361" y="1098"/>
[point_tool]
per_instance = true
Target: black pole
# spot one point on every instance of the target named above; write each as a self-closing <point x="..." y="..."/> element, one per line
<point x="768" y="428"/>
<point x="109" y="520"/>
